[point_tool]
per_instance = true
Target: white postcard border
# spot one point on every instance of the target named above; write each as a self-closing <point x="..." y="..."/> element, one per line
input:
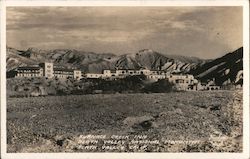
<point x="246" y="88"/>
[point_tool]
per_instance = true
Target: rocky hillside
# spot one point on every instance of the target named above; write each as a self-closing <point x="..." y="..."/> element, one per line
<point x="225" y="70"/>
<point x="15" y="59"/>
<point x="93" y="62"/>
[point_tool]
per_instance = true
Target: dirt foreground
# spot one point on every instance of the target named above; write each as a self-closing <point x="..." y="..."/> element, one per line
<point x="162" y="122"/>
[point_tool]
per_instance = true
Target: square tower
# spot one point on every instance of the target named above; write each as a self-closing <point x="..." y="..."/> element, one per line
<point x="77" y="74"/>
<point x="107" y="73"/>
<point x="48" y="70"/>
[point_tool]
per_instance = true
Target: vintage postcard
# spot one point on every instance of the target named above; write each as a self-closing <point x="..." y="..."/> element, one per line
<point x="125" y="79"/>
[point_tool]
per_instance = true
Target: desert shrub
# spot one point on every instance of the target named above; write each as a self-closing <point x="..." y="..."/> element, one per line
<point x="130" y="83"/>
<point x="79" y="92"/>
<point x="161" y="86"/>
<point x="37" y="83"/>
<point x="61" y="92"/>
<point x="26" y="89"/>
<point x="16" y="88"/>
<point x="11" y="74"/>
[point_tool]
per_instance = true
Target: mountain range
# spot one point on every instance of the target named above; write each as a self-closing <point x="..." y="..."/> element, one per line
<point x="224" y="70"/>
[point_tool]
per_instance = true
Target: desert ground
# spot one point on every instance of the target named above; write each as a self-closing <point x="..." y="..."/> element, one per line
<point x="56" y="123"/>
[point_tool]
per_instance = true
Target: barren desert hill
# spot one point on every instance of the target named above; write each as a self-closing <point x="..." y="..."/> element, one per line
<point x="225" y="70"/>
<point x="96" y="62"/>
<point x="14" y="59"/>
<point x="65" y="57"/>
<point x="154" y="60"/>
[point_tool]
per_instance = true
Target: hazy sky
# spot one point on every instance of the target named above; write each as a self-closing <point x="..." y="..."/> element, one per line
<point x="205" y="32"/>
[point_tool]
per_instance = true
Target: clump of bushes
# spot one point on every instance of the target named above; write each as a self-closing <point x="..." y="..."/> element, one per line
<point x="128" y="84"/>
<point x="161" y="86"/>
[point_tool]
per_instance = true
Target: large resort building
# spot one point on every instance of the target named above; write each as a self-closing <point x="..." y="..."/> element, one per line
<point x="49" y="70"/>
<point x="29" y="71"/>
<point x="181" y="81"/>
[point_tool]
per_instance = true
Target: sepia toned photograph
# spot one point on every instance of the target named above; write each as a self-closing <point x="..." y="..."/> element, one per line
<point x="145" y="79"/>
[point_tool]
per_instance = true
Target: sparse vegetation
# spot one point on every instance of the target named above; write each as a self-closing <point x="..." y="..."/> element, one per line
<point x="21" y="87"/>
<point x="132" y="84"/>
<point x="161" y="86"/>
<point x="54" y="123"/>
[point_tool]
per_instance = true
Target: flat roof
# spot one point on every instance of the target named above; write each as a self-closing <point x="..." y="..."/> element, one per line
<point x="63" y="69"/>
<point x="29" y="68"/>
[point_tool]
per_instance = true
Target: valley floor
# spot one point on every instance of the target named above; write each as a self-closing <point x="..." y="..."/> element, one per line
<point x="56" y="123"/>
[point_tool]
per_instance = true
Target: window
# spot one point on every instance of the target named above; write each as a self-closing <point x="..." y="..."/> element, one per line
<point x="179" y="81"/>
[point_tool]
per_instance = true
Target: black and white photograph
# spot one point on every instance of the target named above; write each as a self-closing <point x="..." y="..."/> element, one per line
<point x="124" y="79"/>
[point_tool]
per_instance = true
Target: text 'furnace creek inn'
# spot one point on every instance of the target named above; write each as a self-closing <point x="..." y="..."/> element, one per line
<point x="50" y="71"/>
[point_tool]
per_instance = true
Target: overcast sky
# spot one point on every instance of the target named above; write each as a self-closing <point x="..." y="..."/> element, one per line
<point x="205" y="32"/>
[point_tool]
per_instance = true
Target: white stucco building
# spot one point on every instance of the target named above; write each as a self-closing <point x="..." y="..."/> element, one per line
<point x="29" y="71"/>
<point x="48" y="70"/>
